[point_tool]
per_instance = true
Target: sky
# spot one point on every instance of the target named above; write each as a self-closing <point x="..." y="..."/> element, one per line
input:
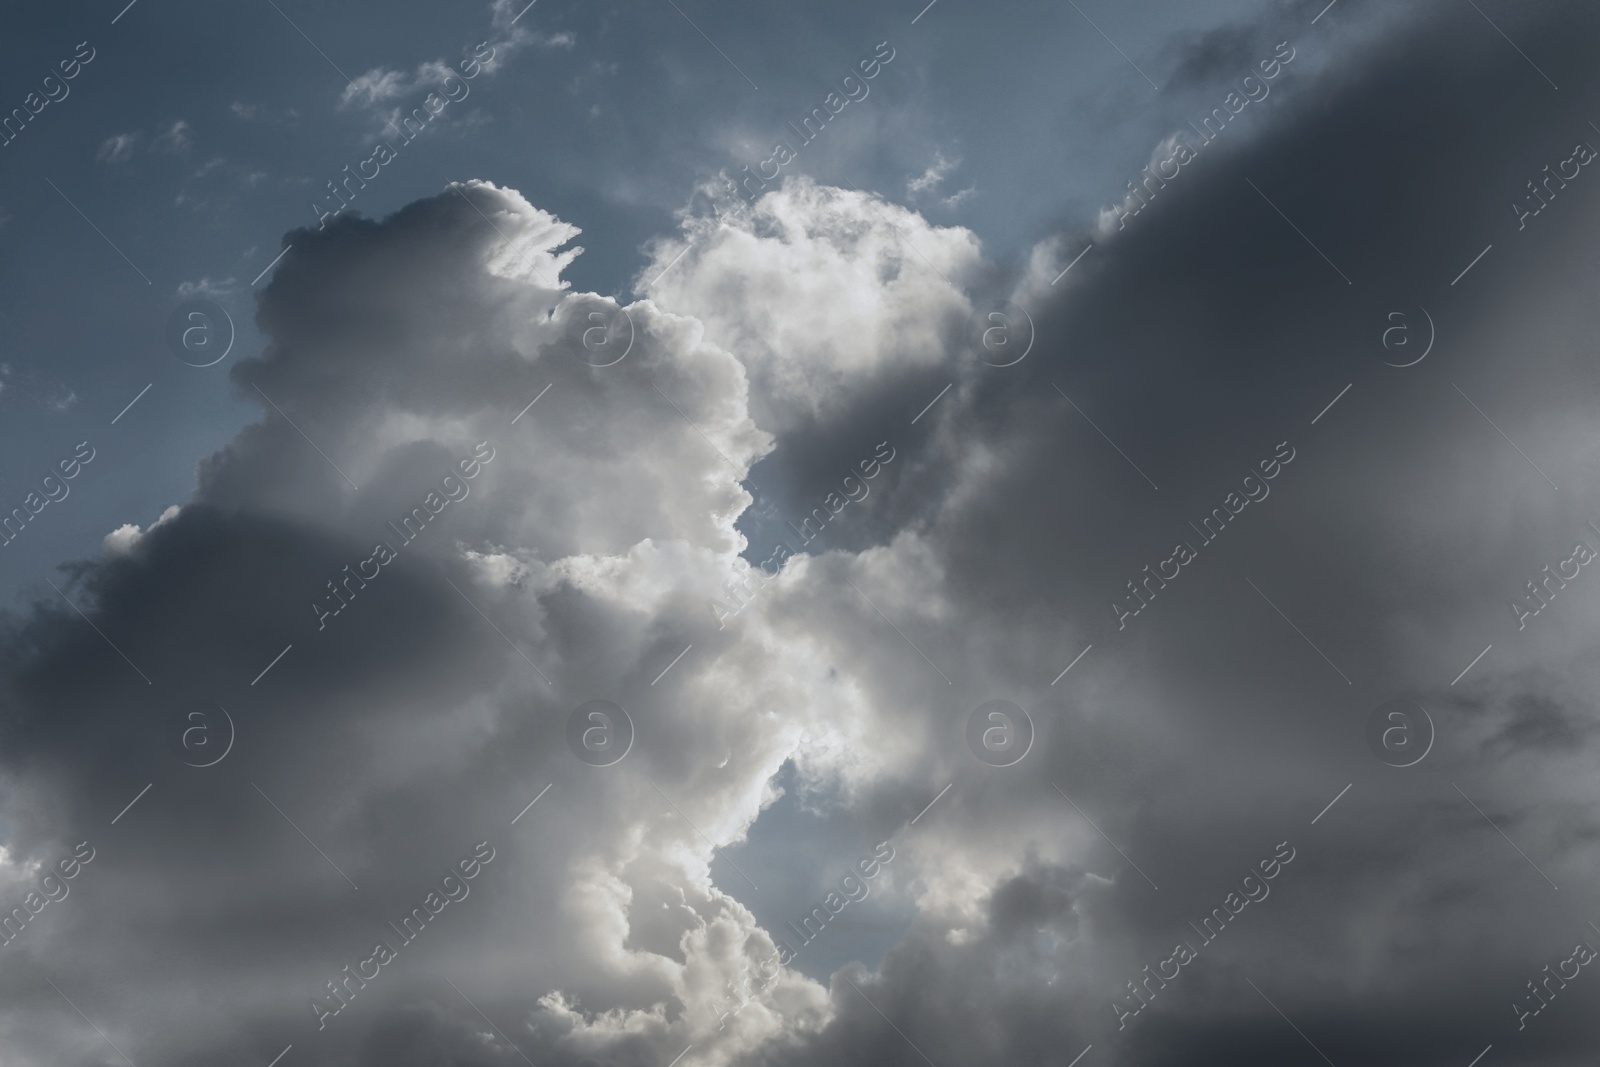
<point x="675" y="533"/>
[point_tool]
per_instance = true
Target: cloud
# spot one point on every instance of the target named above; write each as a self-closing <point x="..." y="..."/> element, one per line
<point x="825" y="293"/>
<point x="607" y="500"/>
<point x="955" y="199"/>
<point x="375" y="87"/>
<point x="117" y="149"/>
<point x="262" y="113"/>
<point x="175" y="138"/>
<point x="44" y="392"/>
<point x="934" y="176"/>
<point x="121" y="541"/>
<point x="381" y="86"/>
<point x="1197" y="736"/>
<point x="506" y="18"/>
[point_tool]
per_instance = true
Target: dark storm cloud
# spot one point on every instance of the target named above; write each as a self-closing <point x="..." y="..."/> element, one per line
<point x="1198" y="339"/>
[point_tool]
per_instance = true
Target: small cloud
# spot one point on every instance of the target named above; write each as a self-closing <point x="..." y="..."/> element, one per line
<point x="120" y="542"/>
<point x="933" y="175"/>
<point x="175" y="138"/>
<point x="505" y="16"/>
<point x="205" y="287"/>
<point x="209" y="166"/>
<point x="374" y="87"/>
<point x="377" y="89"/>
<point x="515" y="35"/>
<point x="118" y="149"/>
<point x="433" y="72"/>
<point x="506" y="12"/>
<point x="955" y="199"/>
<point x="36" y="390"/>
<point x="261" y="113"/>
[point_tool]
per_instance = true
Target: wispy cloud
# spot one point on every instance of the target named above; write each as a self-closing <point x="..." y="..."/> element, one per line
<point x="117" y="148"/>
<point x="934" y="176"/>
